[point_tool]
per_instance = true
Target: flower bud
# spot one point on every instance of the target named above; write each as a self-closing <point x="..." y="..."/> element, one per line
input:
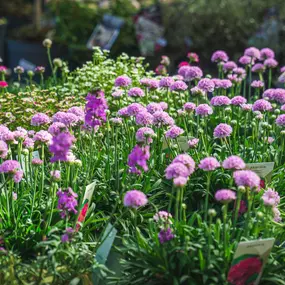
<point x="30" y="73"/>
<point x="200" y="131"/>
<point x="282" y="133"/>
<point x="57" y="62"/>
<point x="228" y="110"/>
<point x="212" y="212"/>
<point x="25" y="151"/>
<point x="234" y="122"/>
<point x="259" y="215"/>
<point x="277" y="111"/>
<point x="242" y="189"/>
<point x="47" y="43"/>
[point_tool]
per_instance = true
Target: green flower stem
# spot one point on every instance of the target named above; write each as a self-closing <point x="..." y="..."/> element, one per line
<point x="248" y="215"/>
<point x="178" y="193"/>
<point x="209" y="240"/>
<point x="269" y="78"/>
<point x="225" y="213"/>
<point x="239" y="196"/>
<point x="206" y="205"/>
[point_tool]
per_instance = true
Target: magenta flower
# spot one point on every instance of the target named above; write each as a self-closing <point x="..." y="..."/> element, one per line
<point x="222" y="131"/>
<point x="165" y="235"/>
<point x="60" y="146"/>
<point x="270" y="198"/>
<point x="206" y="85"/>
<point x="189" y="107"/>
<point x="40" y="119"/>
<point x="67" y="202"/>
<point x="261" y="105"/>
<point x="246" y="178"/>
<point x="220" y="101"/>
<point x="219" y="56"/>
<point x="190" y="73"/>
<point x="10" y="166"/>
<point x="225" y="196"/>
<point x="123" y="81"/>
<point x="209" y="164"/>
<point x="238" y="100"/>
<point x="135" y="199"/>
<point x="268" y="94"/>
<point x="233" y="162"/>
<point x="174" y="132"/>
<point x="176" y="169"/>
<point x="203" y="110"/>
<point x="279" y="95"/>
<point x="138" y="158"/>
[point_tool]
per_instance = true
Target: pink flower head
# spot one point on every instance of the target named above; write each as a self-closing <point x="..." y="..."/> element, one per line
<point x="176" y="169"/>
<point x="57" y="128"/>
<point x="252" y="52"/>
<point x="259" y="67"/>
<point x="282" y="108"/>
<point x="209" y="164"/>
<point x="18" y="176"/>
<point x="189" y="107"/>
<point x="203" y="110"/>
<point x="246" y="178"/>
<point x="178" y="86"/>
<point x="153" y="83"/>
<point x="161" y="118"/>
<point x="186" y="160"/>
<point x="270" y="63"/>
<point x="280" y="121"/>
<point x="135" y="108"/>
<point x="270" y="198"/>
<point x="261" y="105"/>
<point x="3" y="149"/>
<point x="241" y="72"/>
<point x="28" y="143"/>
<point x="193" y="142"/>
<point x="277" y="215"/>
<point x="225" y="196"/>
<point x="222" y="131"/>
<point x="197" y="91"/>
<point x="138" y="158"/>
<point x="40" y="119"/>
<point x="166" y="82"/>
<point x="222" y="83"/>
<point x="144" y="118"/>
<point x="122" y="81"/>
<point x="163" y="105"/>
<point x="268" y="94"/>
<point x="279" y="95"/>
<point x="135" y="199"/>
<point x="220" y="101"/>
<point x="190" y="73"/>
<point x="136" y="92"/>
<point x="282" y="69"/>
<point x="118" y="93"/>
<point x="10" y="166"/>
<point x="257" y="84"/>
<point x="266" y="53"/>
<point x="229" y="66"/>
<point x="43" y="136"/>
<point x="281" y="78"/>
<point x="180" y="181"/>
<point x="153" y="107"/>
<point x="123" y="112"/>
<point x="162" y="216"/>
<point x="193" y="57"/>
<point x="238" y="100"/>
<point x="206" y="85"/>
<point x="246" y="107"/>
<point x="67" y="202"/>
<point x="37" y="161"/>
<point x="174" y="132"/>
<point x="145" y="135"/>
<point x="219" y="56"/>
<point x="3" y="84"/>
<point x="55" y="175"/>
<point x="233" y="162"/>
<point x="246" y="60"/>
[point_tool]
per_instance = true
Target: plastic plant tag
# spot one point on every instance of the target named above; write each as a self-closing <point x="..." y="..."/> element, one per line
<point x="24" y="159"/>
<point x="104" y="249"/>
<point x="181" y="141"/>
<point x="85" y="204"/>
<point x="249" y="261"/>
<point x="263" y="169"/>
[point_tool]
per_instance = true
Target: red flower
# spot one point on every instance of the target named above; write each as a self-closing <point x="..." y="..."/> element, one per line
<point x="82" y="215"/>
<point x="262" y="184"/>
<point x="183" y="63"/>
<point x="242" y="271"/>
<point x="3" y="84"/>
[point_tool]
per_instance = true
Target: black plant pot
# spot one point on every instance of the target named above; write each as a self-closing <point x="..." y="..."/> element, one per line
<point x="33" y="53"/>
<point x="2" y="40"/>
